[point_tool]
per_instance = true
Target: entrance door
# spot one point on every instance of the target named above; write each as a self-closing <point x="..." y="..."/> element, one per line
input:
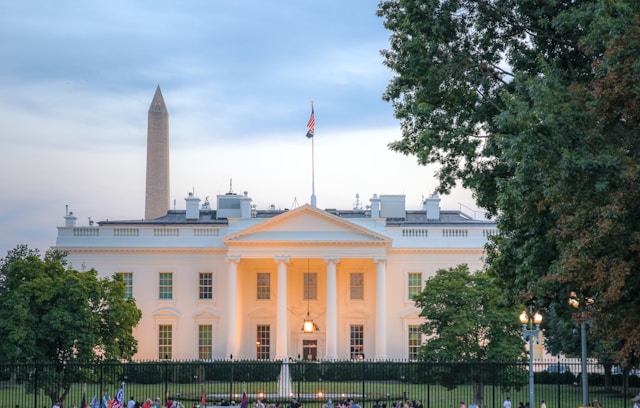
<point x="310" y="349"/>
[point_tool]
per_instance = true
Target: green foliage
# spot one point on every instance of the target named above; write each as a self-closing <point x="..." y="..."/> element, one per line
<point x="59" y="315"/>
<point x="466" y="322"/>
<point x="535" y="107"/>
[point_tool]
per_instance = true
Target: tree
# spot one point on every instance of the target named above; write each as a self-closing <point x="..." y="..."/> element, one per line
<point x="534" y="106"/>
<point x="466" y="322"/>
<point x="60" y="316"/>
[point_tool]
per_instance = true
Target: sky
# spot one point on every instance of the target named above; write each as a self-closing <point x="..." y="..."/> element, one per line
<point x="238" y="78"/>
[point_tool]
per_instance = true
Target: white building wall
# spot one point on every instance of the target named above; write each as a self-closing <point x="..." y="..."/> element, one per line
<point x="188" y="250"/>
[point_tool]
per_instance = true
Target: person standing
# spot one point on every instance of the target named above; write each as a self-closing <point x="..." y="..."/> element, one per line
<point x="544" y="404"/>
<point x="131" y="403"/>
<point x="507" y="403"/>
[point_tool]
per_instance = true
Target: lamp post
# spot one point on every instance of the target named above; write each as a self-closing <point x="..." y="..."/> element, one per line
<point x="573" y="301"/>
<point x="529" y="333"/>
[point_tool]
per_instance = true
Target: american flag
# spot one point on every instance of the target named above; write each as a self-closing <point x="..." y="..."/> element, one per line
<point x="245" y="402"/>
<point x="312" y="124"/>
<point x="118" y="401"/>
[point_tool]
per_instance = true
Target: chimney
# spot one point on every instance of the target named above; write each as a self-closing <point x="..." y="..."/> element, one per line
<point x="245" y="206"/>
<point x="70" y="220"/>
<point x="432" y="207"/>
<point x="375" y="206"/>
<point x="193" y="207"/>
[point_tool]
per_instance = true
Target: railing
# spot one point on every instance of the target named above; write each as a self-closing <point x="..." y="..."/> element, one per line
<point x="435" y="384"/>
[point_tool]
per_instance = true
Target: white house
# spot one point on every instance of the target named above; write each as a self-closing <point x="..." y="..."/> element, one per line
<point x="239" y="281"/>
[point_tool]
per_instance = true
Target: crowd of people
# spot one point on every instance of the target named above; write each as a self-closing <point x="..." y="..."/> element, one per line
<point x="342" y="403"/>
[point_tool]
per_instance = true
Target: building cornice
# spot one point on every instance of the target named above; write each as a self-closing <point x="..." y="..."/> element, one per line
<point x="448" y="250"/>
<point x="167" y="250"/>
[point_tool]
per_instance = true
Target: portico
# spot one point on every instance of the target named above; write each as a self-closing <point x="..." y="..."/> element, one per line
<point x="343" y="268"/>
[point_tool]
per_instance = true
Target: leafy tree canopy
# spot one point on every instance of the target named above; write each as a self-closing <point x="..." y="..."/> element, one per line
<point x="54" y="314"/>
<point x="534" y="105"/>
<point x="466" y="321"/>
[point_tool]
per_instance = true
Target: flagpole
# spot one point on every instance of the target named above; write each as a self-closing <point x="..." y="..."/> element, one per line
<point x="313" y="166"/>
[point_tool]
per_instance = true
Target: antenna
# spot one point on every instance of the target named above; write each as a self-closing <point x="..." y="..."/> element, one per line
<point x="357" y="205"/>
<point x="230" y="186"/>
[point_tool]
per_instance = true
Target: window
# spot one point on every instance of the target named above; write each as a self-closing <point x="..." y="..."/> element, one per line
<point x="127" y="277"/>
<point x="310" y="286"/>
<point x="165" y="342"/>
<point x="414" y="284"/>
<point x="264" y="286"/>
<point x="166" y="285"/>
<point x="205" y="342"/>
<point x="263" y="342"/>
<point x="415" y="339"/>
<point x="356" y="339"/>
<point x="206" y="285"/>
<point x="356" y="288"/>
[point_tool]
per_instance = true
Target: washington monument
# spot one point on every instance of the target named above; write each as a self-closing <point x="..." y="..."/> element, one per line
<point x="157" y="194"/>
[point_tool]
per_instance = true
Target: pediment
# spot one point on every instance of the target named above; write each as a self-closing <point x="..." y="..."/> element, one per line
<point x="165" y="311"/>
<point x="206" y="313"/>
<point x="307" y="224"/>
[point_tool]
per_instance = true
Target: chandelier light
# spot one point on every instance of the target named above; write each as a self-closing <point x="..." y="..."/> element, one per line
<point x="308" y="326"/>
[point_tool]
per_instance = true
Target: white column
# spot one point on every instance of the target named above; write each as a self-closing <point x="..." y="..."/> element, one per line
<point x="332" y="310"/>
<point x="233" y="323"/>
<point x="381" y="308"/>
<point x="282" y="331"/>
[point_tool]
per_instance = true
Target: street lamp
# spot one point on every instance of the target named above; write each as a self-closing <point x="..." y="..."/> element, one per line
<point x="573" y="301"/>
<point x="529" y="333"/>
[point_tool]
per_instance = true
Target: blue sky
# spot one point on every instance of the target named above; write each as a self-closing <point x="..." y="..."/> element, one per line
<point x="77" y="78"/>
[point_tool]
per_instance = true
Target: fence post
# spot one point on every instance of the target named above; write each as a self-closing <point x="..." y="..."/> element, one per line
<point x="35" y="387"/>
<point x="166" y="378"/>
<point x="558" y="380"/>
<point x="493" y="392"/>
<point x="428" y="384"/>
<point x="231" y="380"/>
<point x="101" y="393"/>
<point x="363" y="371"/>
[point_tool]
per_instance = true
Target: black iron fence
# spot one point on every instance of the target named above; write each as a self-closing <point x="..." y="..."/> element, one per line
<point x="385" y="383"/>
